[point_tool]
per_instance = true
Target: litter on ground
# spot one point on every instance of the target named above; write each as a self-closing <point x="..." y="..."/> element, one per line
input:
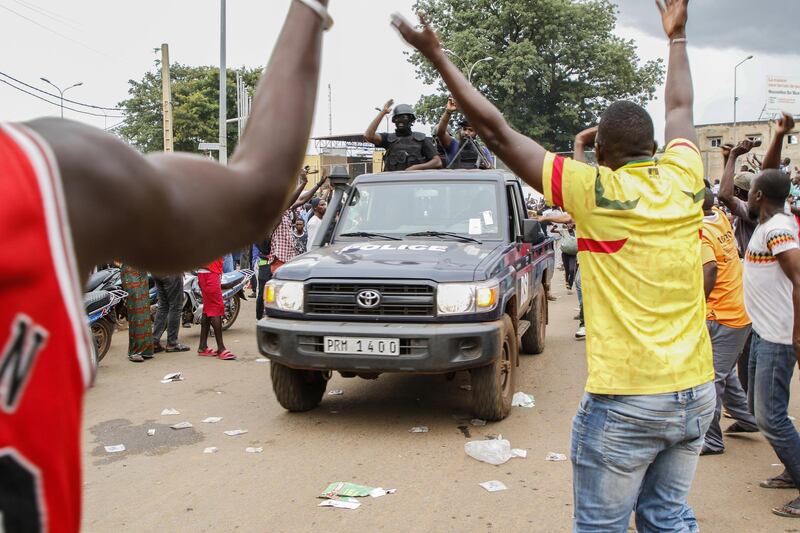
<point x="340" y="504"/>
<point x="518" y="452"/>
<point x="520" y="399"/>
<point x="477" y="422"/>
<point x="553" y="456"/>
<point x="115" y="448"/>
<point x="335" y="392"/>
<point x="182" y="425"/>
<point x="493" y="486"/>
<point x="343" y="488"/>
<point x="494" y="451"/>
<point x="211" y="449"/>
<point x="418" y="429"/>
<point x="262" y="360"/>
<point x="170" y="411"/>
<point x="174" y="376"/>
<point x="234" y="432"/>
<point x="254" y="450"/>
<point x="151" y="432"/>
<point x="378" y="492"/>
<point x="211" y="420"/>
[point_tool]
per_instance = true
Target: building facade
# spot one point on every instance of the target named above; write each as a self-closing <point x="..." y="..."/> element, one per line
<point x="711" y="137"/>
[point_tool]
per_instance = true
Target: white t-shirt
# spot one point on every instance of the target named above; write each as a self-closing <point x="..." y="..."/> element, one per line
<point x="767" y="290"/>
<point x="313" y="225"/>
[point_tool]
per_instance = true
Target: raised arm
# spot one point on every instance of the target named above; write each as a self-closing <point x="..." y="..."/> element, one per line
<point x="170" y="212"/>
<point x="441" y="129"/>
<point x="305" y="196"/>
<point x="582" y="140"/>
<point x="679" y="94"/>
<point x="523" y="156"/>
<point x="773" y="157"/>
<point x="725" y="193"/>
<point x="372" y="135"/>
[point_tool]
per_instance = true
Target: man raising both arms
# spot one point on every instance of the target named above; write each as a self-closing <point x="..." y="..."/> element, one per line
<point x="66" y="177"/>
<point x="649" y="395"/>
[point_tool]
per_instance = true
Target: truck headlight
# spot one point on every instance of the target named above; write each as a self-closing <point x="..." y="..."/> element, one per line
<point x="463" y="298"/>
<point x="284" y="295"/>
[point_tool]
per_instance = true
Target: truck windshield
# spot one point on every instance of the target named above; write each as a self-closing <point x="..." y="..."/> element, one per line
<point x="463" y="207"/>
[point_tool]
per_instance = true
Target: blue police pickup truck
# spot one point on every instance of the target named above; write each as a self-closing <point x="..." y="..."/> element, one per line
<point x="428" y="272"/>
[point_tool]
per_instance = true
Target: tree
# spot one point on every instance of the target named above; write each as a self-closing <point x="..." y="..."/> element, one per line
<point x="195" y="108"/>
<point x="556" y="64"/>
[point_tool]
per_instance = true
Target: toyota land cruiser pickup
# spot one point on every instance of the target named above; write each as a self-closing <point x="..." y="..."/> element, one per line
<point x="427" y="272"/>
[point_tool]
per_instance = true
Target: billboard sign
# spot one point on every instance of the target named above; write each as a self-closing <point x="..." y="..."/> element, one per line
<point x="783" y="94"/>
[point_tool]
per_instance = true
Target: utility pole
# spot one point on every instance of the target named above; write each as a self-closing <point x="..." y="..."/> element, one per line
<point x="223" y="90"/>
<point x="166" y="98"/>
<point x="330" y="111"/>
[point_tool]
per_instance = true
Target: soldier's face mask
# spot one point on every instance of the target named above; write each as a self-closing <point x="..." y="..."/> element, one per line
<point x="403" y="123"/>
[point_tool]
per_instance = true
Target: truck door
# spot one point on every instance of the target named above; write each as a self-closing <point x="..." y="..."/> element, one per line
<point x="522" y="260"/>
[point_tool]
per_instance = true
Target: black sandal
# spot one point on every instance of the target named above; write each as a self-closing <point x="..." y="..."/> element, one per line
<point x="157" y="348"/>
<point x="177" y="348"/>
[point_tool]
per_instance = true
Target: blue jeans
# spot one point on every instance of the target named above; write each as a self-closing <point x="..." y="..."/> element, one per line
<point x="638" y="453"/>
<point x="771" y="369"/>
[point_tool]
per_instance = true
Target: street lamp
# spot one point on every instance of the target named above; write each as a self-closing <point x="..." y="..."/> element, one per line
<point x="62" y="92"/>
<point x="469" y="76"/>
<point x="380" y="110"/>
<point x="735" y="96"/>
<point x="467" y="68"/>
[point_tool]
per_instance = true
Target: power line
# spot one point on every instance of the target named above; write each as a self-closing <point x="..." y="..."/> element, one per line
<point x="52" y="15"/>
<point x="58" y="96"/>
<point x="51" y="30"/>
<point x="58" y="104"/>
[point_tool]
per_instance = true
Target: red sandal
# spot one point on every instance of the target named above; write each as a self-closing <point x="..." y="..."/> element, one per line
<point x="208" y="352"/>
<point x="226" y="355"/>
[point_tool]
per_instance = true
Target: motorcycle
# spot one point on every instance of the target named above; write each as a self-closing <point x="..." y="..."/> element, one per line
<point x="233" y="284"/>
<point x="100" y="307"/>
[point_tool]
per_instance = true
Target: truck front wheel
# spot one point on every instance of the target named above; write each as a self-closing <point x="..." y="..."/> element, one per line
<point x="297" y="390"/>
<point x="533" y="340"/>
<point x="493" y="385"/>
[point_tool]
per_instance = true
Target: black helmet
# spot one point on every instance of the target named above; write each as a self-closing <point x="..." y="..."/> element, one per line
<point x="403" y="109"/>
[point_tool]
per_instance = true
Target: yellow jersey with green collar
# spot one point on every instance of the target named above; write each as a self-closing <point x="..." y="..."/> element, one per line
<point x="638" y="230"/>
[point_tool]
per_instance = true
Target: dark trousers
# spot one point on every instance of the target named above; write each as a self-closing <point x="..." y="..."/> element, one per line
<point x="743" y="366"/>
<point x="264" y="275"/>
<point x="170" y="302"/>
<point x="570" y="267"/>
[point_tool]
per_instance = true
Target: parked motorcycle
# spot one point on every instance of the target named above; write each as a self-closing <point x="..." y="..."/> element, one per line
<point x="100" y="307"/>
<point x="233" y="284"/>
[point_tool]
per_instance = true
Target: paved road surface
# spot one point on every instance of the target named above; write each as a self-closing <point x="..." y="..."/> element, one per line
<point x="166" y="482"/>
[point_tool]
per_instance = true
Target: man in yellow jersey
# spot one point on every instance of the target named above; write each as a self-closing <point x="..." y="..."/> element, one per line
<point x="649" y="395"/>
<point x="727" y="320"/>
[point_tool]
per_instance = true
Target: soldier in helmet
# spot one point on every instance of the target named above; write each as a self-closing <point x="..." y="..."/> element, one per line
<point x="462" y="152"/>
<point x="405" y="149"/>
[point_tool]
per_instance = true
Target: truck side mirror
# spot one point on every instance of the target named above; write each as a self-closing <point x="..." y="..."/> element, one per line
<point x="532" y="232"/>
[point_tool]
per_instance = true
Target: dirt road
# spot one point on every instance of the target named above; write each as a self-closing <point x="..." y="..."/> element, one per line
<point x="166" y="483"/>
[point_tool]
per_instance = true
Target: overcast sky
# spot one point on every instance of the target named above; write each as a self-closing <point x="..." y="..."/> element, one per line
<point x="104" y="44"/>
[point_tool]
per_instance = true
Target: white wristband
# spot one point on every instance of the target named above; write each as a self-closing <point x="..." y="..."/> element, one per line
<point x="678" y="40"/>
<point x="322" y="11"/>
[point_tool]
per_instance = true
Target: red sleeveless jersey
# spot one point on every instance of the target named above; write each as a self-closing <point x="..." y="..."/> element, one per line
<point x="45" y="357"/>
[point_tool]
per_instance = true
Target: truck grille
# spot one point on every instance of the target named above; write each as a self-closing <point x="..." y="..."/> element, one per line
<point x="396" y="300"/>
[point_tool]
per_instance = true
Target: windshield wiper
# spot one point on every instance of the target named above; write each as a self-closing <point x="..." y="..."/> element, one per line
<point x="367" y="234"/>
<point x="441" y="234"/>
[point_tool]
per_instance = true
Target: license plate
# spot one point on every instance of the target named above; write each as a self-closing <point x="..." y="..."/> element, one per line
<point x="362" y="346"/>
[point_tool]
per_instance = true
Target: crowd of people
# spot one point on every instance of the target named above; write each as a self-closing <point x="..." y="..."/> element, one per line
<point x="670" y="289"/>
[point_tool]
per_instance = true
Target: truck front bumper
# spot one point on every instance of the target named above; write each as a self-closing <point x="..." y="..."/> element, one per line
<point x="424" y="348"/>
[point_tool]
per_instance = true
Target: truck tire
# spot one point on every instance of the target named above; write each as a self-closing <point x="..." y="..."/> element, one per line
<point x="297" y="390"/>
<point x="493" y="385"/>
<point x="533" y="340"/>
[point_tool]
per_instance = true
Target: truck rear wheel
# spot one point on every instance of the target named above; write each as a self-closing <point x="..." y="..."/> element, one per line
<point x="493" y="385"/>
<point x="533" y="340"/>
<point x="297" y="390"/>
